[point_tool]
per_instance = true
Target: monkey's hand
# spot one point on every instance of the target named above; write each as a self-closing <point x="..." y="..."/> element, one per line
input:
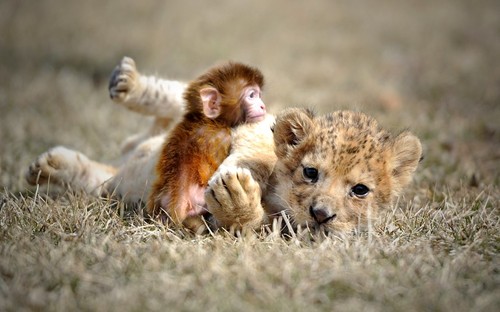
<point x="234" y="199"/>
<point x="124" y="81"/>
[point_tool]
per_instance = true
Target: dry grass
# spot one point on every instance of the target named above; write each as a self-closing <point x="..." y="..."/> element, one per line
<point x="432" y="67"/>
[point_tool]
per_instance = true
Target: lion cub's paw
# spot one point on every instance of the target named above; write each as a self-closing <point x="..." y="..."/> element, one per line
<point x="57" y="166"/>
<point x="124" y="79"/>
<point x="233" y="196"/>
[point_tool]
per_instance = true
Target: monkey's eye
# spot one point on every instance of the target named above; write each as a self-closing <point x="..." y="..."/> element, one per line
<point x="311" y="174"/>
<point x="360" y="190"/>
<point x="253" y="93"/>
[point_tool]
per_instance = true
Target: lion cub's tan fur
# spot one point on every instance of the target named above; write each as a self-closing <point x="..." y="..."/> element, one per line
<point x="300" y="164"/>
<point x="347" y="149"/>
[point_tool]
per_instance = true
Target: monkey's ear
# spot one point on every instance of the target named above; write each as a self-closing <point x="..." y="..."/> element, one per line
<point x="291" y="129"/>
<point x="211" y="99"/>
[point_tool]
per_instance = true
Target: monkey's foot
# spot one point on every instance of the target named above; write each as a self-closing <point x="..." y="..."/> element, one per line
<point x="234" y="198"/>
<point x="124" y="80"/>
<point x="66" y="168"/>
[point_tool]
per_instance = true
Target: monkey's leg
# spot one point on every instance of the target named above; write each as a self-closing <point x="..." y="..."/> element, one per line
<point x="66" y="168"/>
<point x="234" y="199"/>
<point x="146" y="95"/>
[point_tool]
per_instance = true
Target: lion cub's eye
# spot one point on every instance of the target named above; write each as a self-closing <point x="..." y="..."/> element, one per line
<point x="311" y="173"/>
<point x="360" y="190"/>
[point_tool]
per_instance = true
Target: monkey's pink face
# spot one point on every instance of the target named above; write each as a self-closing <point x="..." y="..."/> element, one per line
<point x="254" y="107"/>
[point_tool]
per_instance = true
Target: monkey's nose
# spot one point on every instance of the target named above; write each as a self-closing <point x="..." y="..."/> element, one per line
<point x="321" y="214"/>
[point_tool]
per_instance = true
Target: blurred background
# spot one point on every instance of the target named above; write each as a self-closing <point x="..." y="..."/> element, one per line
<point x="429" y="66"/>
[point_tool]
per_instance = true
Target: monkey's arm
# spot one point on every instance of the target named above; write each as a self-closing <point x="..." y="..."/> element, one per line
<point x="234" y="193"/>
<point x="146" y="95"/>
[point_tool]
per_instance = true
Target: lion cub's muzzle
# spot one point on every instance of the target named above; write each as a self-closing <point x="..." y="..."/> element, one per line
<point x="321" y="214"/>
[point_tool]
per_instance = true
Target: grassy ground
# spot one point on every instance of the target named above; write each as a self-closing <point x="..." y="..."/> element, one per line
<point x="432" y="67"/>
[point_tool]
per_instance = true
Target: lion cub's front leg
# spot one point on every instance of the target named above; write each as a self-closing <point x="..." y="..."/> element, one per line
<point x="234" y="199"/>
<point x="62" y="167"/>
<point x="235" y="192"/>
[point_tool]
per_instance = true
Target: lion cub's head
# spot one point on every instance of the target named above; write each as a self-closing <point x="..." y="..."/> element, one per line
<point x="337" y="171"/>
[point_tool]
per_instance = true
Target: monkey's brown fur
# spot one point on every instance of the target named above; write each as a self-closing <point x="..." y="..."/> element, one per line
<point x="198" y="145"/>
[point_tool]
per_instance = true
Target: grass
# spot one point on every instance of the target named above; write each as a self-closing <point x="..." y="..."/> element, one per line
<point x="431" y="67"/>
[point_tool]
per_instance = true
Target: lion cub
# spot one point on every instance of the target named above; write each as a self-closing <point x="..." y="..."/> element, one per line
<point x="337" y="171"/>
<point x="333" y="172"/>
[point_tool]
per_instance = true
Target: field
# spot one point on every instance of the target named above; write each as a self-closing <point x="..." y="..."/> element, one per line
<point x="432" y="67"/>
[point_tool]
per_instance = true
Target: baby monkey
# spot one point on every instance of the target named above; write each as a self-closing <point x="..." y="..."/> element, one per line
<point x="224" y="97"/>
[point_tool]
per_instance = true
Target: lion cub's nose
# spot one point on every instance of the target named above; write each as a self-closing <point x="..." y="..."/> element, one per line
<point x="321" y="214"/>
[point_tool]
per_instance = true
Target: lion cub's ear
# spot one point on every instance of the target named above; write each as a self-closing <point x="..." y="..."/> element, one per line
<point x="406" y="153"/>
<point x="291" y="128"/>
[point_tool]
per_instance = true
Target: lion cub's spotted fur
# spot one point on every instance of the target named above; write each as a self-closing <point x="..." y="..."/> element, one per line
<point x="304" y="165"/>
<point x="348" y="153"/>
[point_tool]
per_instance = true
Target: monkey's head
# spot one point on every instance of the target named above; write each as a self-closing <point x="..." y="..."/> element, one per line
<point x="229" y="93"/>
